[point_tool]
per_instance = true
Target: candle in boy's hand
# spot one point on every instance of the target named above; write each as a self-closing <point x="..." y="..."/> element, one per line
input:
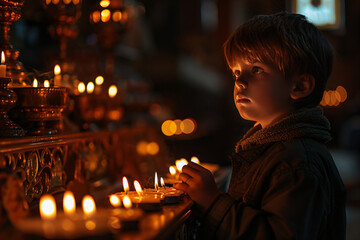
<point x="2" y="66"/>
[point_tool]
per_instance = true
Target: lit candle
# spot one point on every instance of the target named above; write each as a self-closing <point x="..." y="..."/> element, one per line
<point x="3" y="65"/>
<point x="138" y="188"/>
<point x="81" y="87"/>
<point x="181" y="163"/>
<point x="195" y="160"/>
<point x="57" y="77"/>
<point x="162" y="183"/>
<point x="156" y="182"/>
<point x="69" y="205"/>
<point x="114" y="201"/>
<point x="112" y="91"/>
<point x="47" y="207"/>
<point x="46" y="83"/>
<point x="125" y="185"/>
<point x="88" y="205"/>
<point x="127" y="202"/>
<point x="99" y="80"/>
<point x="90" y="87"/>
<point x="35" y="83"/>
<point x="172" y="170"/>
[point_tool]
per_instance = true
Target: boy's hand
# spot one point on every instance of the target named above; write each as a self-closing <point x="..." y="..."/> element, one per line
<point x="198" y="182"/>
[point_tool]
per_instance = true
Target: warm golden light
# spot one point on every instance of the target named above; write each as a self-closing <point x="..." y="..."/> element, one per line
<point x="127" y="202"/>
<point x="152" y="148"/>
<point x="188" y="125"/>
<point x="69" y="204"/>
<point x="90" y="225"/>
<point x="99" y="80"/>
<point x="177" y="128"/>
<point x="96" y="16"/>
<point x="2" y="58"/>
<point x="48" y="2"/>
<point x="47" y="207"/>
<point x="172" y="170"/>
<point x="90" y="87"/>
<point x="81" y="87"/>
<point x="342" y="91"/>
<point x="46" y="83"/>
<point x="125" y="185"/>
<point x="116" y="17"/>
<point x="67" y="1"/>
<point x="181" y="163"/>
<point x="55" y="2"/>
<point x="112" y="91"/>
<point x="105" y="15"/>
<point x="114" y="200"/>
<point x="76" y="2"/>
<point x="88" y="205"/>
<point x="195" y="160"/>
<point x="35" y="83"/>
<point x="138" y="188"/>
<point x="104" y="3"/>
<point x="156" y="182"/>
<point x="57" y="69"/>
<point x="168" y="128"/>
<point x="141" y="148"/>
<point x="162" y="182"/>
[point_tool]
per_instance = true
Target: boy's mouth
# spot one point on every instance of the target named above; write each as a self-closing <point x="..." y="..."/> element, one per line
<point x="239" y="99"/>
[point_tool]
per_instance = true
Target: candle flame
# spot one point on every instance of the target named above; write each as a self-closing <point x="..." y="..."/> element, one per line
<point x="57" y="69"/>
<point x="69" y="202"/>
<point x="156" y="182"/>
<point x="88" y="205"/>
<point x="2" y="58"/>
<point x="114" y="200"/>
<point x="46" y="83"/>
<point x="47" y="207"/>
<point x="127" y="202"/>
<point x="35" y="82"/>
<point x="195" y="160"/>
<point x="162" y="183"/>
<point x="90" y="87"/>
<point x="112" y="91"/>
<point x="81" y="87"/>
<point x="172" y="170"/>
<point x="138" y="188"/>
<point x="99" y="80"/>
<point x="104" y="3"/>
<point x="181" y="163"/>
<point x="125" y="185"/>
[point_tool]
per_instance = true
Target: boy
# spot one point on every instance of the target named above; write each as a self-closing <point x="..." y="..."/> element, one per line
<point x="284" y="183"/>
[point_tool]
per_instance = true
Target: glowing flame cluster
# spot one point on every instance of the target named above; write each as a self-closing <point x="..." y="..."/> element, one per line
<point x="333" y="98"/>
<point x="147" y="148"/>
<point x="106" y="14"/>
<point x="177" y="127"/>
<point x="55" y="2"/>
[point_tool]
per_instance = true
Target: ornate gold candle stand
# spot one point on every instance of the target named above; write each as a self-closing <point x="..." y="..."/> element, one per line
<point x="7" y="101"/>
<point x="39" y="109"/>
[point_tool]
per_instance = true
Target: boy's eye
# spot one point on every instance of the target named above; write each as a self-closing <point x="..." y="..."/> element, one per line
<point x="236" y="74"/>
<point x="257" y="70"/>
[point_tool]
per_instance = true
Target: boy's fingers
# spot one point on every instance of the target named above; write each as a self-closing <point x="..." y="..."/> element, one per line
<point x="196" y="166"/>
<point x="181" y="186"/>
<point x="189" y="170"/>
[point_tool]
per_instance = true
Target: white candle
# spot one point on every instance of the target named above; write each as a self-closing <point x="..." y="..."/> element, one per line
<point x="69" y="204"/>
<point x="3" y="65"/>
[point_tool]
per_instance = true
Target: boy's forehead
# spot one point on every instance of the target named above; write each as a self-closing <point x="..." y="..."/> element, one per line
<point x="243" y="60"/>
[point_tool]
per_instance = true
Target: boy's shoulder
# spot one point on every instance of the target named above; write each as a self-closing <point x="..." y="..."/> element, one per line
<point x="297" y="153"/>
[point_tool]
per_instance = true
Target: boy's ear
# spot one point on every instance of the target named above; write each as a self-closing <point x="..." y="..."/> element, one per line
<point x="302" y="86"/>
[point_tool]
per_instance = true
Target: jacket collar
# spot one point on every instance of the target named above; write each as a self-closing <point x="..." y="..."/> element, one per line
<point x="306" y="122"/>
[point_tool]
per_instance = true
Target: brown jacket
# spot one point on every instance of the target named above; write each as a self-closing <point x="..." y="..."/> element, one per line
<point x="284" y="185"/>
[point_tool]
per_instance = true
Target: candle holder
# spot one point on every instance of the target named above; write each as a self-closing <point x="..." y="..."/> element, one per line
<point x="39" y="109"/>
<point x="7" y="101"/>
<point x="10" y="12"/>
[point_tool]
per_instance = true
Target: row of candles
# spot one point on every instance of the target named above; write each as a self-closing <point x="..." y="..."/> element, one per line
<point x="127" y="209"/>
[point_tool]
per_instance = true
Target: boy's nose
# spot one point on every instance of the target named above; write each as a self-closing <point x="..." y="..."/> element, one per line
<point x="240" y="83"/>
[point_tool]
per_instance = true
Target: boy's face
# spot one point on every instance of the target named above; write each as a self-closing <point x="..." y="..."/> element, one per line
<point x="261" y="93"/>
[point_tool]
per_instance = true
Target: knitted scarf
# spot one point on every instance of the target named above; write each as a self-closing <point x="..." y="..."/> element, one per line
<point x="306" y="122"/>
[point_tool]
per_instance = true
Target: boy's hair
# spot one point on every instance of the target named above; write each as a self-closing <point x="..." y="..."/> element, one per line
<point x="287" y="41"/>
